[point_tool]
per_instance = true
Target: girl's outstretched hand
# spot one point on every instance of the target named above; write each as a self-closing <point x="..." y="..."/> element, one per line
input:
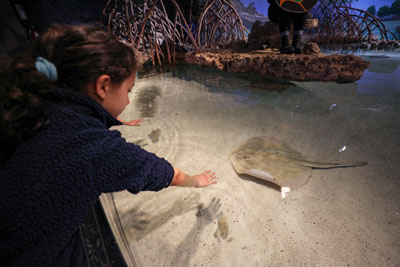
<point x="205" y="178"/>
<point x="201" y="180"/>
<point x="132" y="122"/>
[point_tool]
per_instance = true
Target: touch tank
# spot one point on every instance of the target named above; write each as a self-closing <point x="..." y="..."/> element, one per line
<point x="195" y="117"/>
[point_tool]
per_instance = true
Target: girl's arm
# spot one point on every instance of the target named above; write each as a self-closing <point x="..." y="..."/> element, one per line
<point x="204" y="179"/>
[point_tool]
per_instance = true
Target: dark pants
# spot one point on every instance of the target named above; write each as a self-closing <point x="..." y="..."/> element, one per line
<point x="284" y="18"/>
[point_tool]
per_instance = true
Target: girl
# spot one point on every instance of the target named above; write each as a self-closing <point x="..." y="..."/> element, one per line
<point x="57" y="153"/>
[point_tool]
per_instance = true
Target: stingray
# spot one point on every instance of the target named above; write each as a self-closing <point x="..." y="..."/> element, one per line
<point x="275" y="161"/>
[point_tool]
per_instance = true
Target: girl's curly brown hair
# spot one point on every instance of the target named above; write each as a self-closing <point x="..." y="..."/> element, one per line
<point x="80" y="53"/>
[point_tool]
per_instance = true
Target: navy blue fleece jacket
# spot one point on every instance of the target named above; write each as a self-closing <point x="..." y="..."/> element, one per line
<point x="53" y="179"/>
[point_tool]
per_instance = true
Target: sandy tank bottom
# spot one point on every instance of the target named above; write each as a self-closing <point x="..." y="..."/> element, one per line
<point x="341" y="217"/>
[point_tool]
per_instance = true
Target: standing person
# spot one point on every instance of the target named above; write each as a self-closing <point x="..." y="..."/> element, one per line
<point x="285" y="19"/>
<point x="57" y="152"/>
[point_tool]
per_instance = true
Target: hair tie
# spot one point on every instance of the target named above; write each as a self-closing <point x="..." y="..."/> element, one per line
<point x="47" y="68"/>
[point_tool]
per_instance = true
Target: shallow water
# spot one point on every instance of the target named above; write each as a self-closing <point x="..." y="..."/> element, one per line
<point x="195" y="117"/>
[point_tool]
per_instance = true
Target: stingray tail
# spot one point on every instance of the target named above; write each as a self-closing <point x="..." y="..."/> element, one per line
<point x="322" y="165"/>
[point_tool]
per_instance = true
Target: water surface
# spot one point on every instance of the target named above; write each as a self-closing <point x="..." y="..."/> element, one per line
<point x="195" y="117"/>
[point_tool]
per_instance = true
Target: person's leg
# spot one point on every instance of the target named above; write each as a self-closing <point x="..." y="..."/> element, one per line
<point x="284" y="26"/>
<point x="299" y="20"/>
<point x="286" y="48"/>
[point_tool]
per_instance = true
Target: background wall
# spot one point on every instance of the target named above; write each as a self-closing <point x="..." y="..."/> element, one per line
<point x="12" y="35"/>
<point x="262" y="5"/>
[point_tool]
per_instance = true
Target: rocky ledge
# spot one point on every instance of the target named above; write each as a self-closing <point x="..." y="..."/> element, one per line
<point x="269" y="62"/>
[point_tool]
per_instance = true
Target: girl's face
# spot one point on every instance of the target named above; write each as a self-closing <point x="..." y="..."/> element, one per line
<point x="117" y="98"/>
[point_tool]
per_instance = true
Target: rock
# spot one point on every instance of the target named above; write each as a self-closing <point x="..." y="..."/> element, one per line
<point x="269" y="62"/>
<point x="267" y="36"/>
<point x="392" y="44"/>
<point x="385" y="45"/>
<point x="382" y="45"/>
<point x="364" y="46"/>
<point x="311" y="49"/>
<point x="238" y="46"/>
<point x="262" y="36"/>
<point x="141" y="59"/>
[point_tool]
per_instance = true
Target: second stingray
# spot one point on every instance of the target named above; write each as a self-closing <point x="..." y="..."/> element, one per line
<point x="270" y="159"/>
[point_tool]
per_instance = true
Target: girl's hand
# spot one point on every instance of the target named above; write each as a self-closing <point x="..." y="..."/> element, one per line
<point x="201" y="180"/>
<point x="132" y="122"/>
<point x="205" y="179"/>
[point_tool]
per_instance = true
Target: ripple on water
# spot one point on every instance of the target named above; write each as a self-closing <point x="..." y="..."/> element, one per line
<point x="160" y="129"/>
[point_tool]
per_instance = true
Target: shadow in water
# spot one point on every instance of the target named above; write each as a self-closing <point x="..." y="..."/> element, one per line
<point x="190" y="244"/>
<point x="140" y="223"/>
<point x="146" y="100"/>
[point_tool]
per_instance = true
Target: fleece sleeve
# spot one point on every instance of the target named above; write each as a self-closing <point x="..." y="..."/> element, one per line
<point x="118" y="165"/>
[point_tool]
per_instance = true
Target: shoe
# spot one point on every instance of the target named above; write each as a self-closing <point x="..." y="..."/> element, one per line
<point x="286" y="48"/>
<point x="297" y="44"/>
<point x="298" y="51"/>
